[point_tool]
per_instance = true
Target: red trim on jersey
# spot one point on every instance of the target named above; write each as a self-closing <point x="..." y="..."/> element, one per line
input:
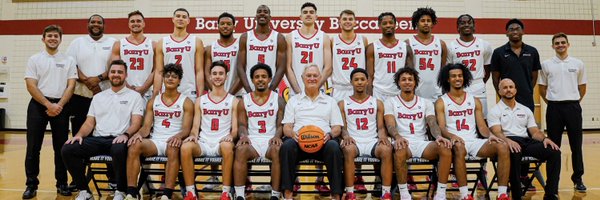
<point x="348" y="43"/>
<point x="396" y="44"/>
<point x="404" y="104"/>
<point x="467" y="46"/>
<point x="252" y="97"/>
<point x="127" y="39"/>
<point x="308" y="38"/>
<point x="221" y="44"/>
<point x="163" y="101"/>
<point x="461" y="103"/>
<point x="268" y="36"/>
<point x="353" y="99"/>
<point x="171" y="36"/>
<point x="208" y="95"/>
<point x="432" y="40"/>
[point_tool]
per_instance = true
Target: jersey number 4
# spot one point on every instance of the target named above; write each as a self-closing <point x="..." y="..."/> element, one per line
<point x="166" y="123"/>
<point x="136" y="64"/>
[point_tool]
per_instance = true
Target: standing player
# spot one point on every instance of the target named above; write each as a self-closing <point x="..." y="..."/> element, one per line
<point x="348" y="54"/>
<point x="225" y="49"/>
<point x="184" y="49"/>
<point x="215" y="116"/>
<point x="408" y="118"/>
<point x="260" y="130"/>
<point x="429" y="53"/>
<point x="262" y="45"/>
<point x="364" y="133"/>
<point x="459" y="117"/>
<point x="475" y="53"/>
<point x="307" y="45"/>
<point x="385" y="56"/>
<point x="169" y="115"/>
<point x="138" y="52"/>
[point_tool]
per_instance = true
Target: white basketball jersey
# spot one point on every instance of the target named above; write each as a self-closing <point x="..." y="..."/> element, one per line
<point x="216" y="117"/>
<point x="182" y="52"/>
<point x="427" y="59"/>
<point x="388" y="60"/>
<point x="227" y="54"/>
<point x="474" y="55"/>
<point x="361" y="118"/>
<point x="306" y="50"/>
<point x="168" y="119"/>
<point x="262" y="118"/>
<point x="139" y="59"/>
<point x="346" y="57"/>
<point x="411" y="117"/>
<point x="261" y="51"/>
<point x="460" y="118"/>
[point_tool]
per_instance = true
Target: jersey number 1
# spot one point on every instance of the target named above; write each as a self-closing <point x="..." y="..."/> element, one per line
<point x="214" y="124"/>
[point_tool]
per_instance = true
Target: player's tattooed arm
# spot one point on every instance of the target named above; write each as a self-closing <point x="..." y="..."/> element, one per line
<point x="390" y="125"/>
<point x="434" y="128"/>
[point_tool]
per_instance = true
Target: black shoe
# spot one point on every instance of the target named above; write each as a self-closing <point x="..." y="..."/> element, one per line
<point x="274" y="198"/>
<point x="550" y="196"/>
<point x="240" y="198"/>
<point x="72" y="187"/>
<point x="29" y="193"/>
<point x="579" y="187"/>
<point x="63" y="190"/>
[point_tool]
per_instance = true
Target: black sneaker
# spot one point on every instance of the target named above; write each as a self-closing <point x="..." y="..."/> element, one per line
<point x="29" y="193"/>
<point x="73" y="187"/>
<point x="550" y="196"/>
<point x="63" y="190"/>
<point x="240" y="198"/>
<point x="274" y="198"/>
<point x="579" y="187"/>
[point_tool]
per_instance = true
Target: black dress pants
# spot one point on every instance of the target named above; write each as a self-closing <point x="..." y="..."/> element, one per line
<point x="533" y="148"/>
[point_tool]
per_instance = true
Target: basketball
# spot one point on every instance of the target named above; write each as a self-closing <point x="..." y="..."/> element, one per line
<point x="310" y="138"/>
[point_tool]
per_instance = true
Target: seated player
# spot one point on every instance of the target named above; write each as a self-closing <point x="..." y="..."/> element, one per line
<point x="408" y="117"/>
<point x="364" y="133"/>
<point x="212" y="131"/>
<point x="260" y="130"/>
<point x="512" y="121"/>
<point x="169" y="115"/>
<point x="459" y="115"/>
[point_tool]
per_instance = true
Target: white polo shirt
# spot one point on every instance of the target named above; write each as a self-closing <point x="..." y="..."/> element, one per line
<point x="52" y="72"/>
<point x="322" y="112"/>
<point x="562" y="78"/>
<point x="113" y="111"/>
<point x="92" y="59"/>
<point x="514" y="122"/>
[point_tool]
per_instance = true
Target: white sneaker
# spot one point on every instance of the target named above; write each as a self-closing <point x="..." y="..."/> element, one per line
<point x="84" y="195"/>
<point x="129" y="197"/>
<point x="214" y="185"/>
<point x="405" y="196"/>
<point x="119" y="195"/>
<point x="439" y="196"/>
<point x="164" y="197"/>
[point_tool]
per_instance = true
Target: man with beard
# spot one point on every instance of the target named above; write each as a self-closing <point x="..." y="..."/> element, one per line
<point x="225" y="48"/>
<point x="262" y="45"/>
<point x="512" y="122"/>
<point x="114" y="115"/>
<point x="184" y="49"/>
<point x="429" y="53"/>
<point x="386" y="56"/>
<point x="50" y="80"/>
<point x="138" y="53"/>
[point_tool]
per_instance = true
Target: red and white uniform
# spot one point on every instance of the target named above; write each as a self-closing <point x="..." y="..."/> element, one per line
<point x="168" y="121"/>
<point x="227" y="54"/>
<point x="140" y="61"/>
<point x="261" y="51"/>
<point x="411" y="120"/>
<point x="460" y="121"/>
<point x="361" y="123"/>
<point x="388" y="60"/>
<point x="216" y="122"/>
<point x="183" y="52"/>
<point x="306" y="50"/>
<point x="346" y="57"/>
<point x="427" y="59"/>
<point x="262" y="120"/>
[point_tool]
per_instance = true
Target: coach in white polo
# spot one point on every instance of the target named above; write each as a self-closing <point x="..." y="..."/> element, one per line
<point x="114" y="115"/>
<point x="562" y="85"/>
<point x="311" y="107"/>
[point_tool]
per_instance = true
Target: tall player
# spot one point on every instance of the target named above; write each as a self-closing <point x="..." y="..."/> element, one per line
<point x="385" y="56"/>
<point x="429" y="53"/>
<point x="185" y="49"/>
<point x="225" y="48"/>
<point x="307" y="45"/>
<point x="364" y="133"/>
<point x="459" y="116"/>
<point x="138" y="52"/>
<point x="260" y="130"/>
<point x="473" y="52"/>
<point x="215" y="114"/>
<point x="262" y="45"/>
<point x="348" y="54"/>
<point x="409" y="116"/>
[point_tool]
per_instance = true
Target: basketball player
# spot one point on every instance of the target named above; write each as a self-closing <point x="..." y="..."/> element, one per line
<point x="408" y="118"/>
<point x="385" y="56"/>
<point x="364" y="133"/>
<point x="181" y="48"/>
<point x="429" y="53"/>
<point x="225" y="48"/>
<point x="169" y="115"/>
<point x="348" y="54"/>
<point x="260" y="130"/>
<point x="262" y="45"/>
<point x="307" y="45"/>
<point x="459" y="116"/>
<point x="215" y="115"/>
<point x="138" y="53"/>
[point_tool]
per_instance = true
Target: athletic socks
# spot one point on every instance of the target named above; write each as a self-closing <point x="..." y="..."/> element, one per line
<point x="133" y="191"/>
<point x="403" y="188"/>
<point x="385" y="189"/>
<point x="240" y="191"/>
<point x="191" y="188"/>
<point x="464" y="191"/>
<point x="501" y="190"/>
<point x="275" y="194"/>
<point x="350" y="189"/>
<point x="227" y="189"/>
<point x="441" y="188"/>
<point x="168" y="192"/>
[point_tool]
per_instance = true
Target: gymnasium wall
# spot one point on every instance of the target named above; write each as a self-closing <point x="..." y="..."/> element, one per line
<point x="22" y="21"/>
